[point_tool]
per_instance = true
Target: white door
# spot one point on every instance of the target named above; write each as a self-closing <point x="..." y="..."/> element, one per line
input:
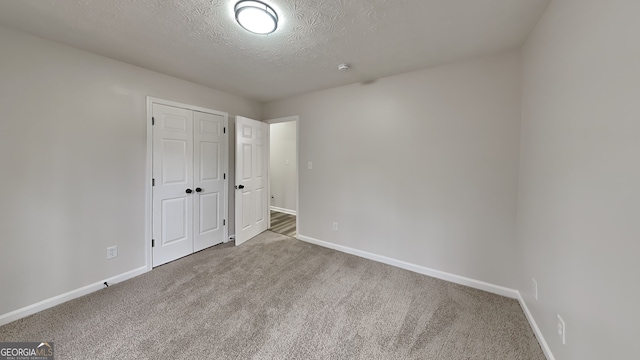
<point x="173" y="178"/>
<point x="209" y="183"/>
<point x="189" y="181"/>
<point x="252" y="206"/>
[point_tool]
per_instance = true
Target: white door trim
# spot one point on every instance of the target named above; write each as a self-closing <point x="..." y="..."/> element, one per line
<point x="295" y="118"/>
<point x="148" y="233"/>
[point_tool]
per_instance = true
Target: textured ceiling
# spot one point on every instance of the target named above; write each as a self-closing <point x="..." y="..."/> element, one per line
<point x="199" y="40"/>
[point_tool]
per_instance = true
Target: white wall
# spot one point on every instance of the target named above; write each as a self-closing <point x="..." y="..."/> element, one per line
<point x="73" y="162"/>
<point x="579" y="201"/>
<point x="283" y="165"/>
<point x="420" y="167"/>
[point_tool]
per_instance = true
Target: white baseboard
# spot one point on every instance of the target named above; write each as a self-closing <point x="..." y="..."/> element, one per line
<point x="59" y="299"/>
<point x="477" y="284"/>
<point x="283" y="210"/>
<point x="536" y="330"/>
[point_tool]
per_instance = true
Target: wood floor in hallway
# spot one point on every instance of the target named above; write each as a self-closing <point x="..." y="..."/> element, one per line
<point x="282" y="223"/>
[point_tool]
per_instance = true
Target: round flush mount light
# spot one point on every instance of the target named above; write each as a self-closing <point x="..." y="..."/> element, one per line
<point x="344" y="67"/>
<point x="256" y="17"/>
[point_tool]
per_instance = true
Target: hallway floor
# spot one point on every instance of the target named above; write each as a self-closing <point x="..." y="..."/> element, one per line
<point x="282" y="223"/>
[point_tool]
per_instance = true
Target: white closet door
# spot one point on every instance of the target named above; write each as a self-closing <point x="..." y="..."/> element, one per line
<point x="252" y="205"/>
<point x="209" y="183"/>
<point x="173" y="177"/>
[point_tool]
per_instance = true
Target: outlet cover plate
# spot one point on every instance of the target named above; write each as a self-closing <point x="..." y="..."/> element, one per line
<point x="112" y="252"/>
<point x="562" y="330"/>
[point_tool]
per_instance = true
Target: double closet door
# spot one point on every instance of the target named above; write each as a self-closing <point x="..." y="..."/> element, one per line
<point x="189" y="181"/>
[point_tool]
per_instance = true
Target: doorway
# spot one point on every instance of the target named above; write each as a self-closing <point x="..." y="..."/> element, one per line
<point x="283" y="175"/>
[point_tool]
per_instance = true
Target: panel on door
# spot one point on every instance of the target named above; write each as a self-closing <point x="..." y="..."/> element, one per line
<point x="173" y="175"/>
<point x="209" y="182"/>
<point x="251" y="179"/>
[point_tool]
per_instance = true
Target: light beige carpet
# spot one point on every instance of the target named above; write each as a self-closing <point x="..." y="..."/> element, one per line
<point x="275" y="297"/>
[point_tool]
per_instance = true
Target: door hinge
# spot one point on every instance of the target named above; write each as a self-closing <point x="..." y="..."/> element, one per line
<point x="224" y="130"/>
<point x="153" y="182"/>
<point x="224" y="222"/>
<point x="224" y="176"/>
<point x="153" y="243"/>
<point x="153" y="120"/>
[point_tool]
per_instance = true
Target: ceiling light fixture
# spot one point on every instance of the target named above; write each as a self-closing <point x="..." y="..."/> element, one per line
<point x="256" y="17"/>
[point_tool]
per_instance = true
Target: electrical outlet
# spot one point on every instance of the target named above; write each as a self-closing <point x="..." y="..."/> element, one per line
<point x="535" y="288"/>
<point x="112" y="252"/>
<point x="309" y="165"/>
<point x="562" y="330"/>
<point x="335" y="226"/>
